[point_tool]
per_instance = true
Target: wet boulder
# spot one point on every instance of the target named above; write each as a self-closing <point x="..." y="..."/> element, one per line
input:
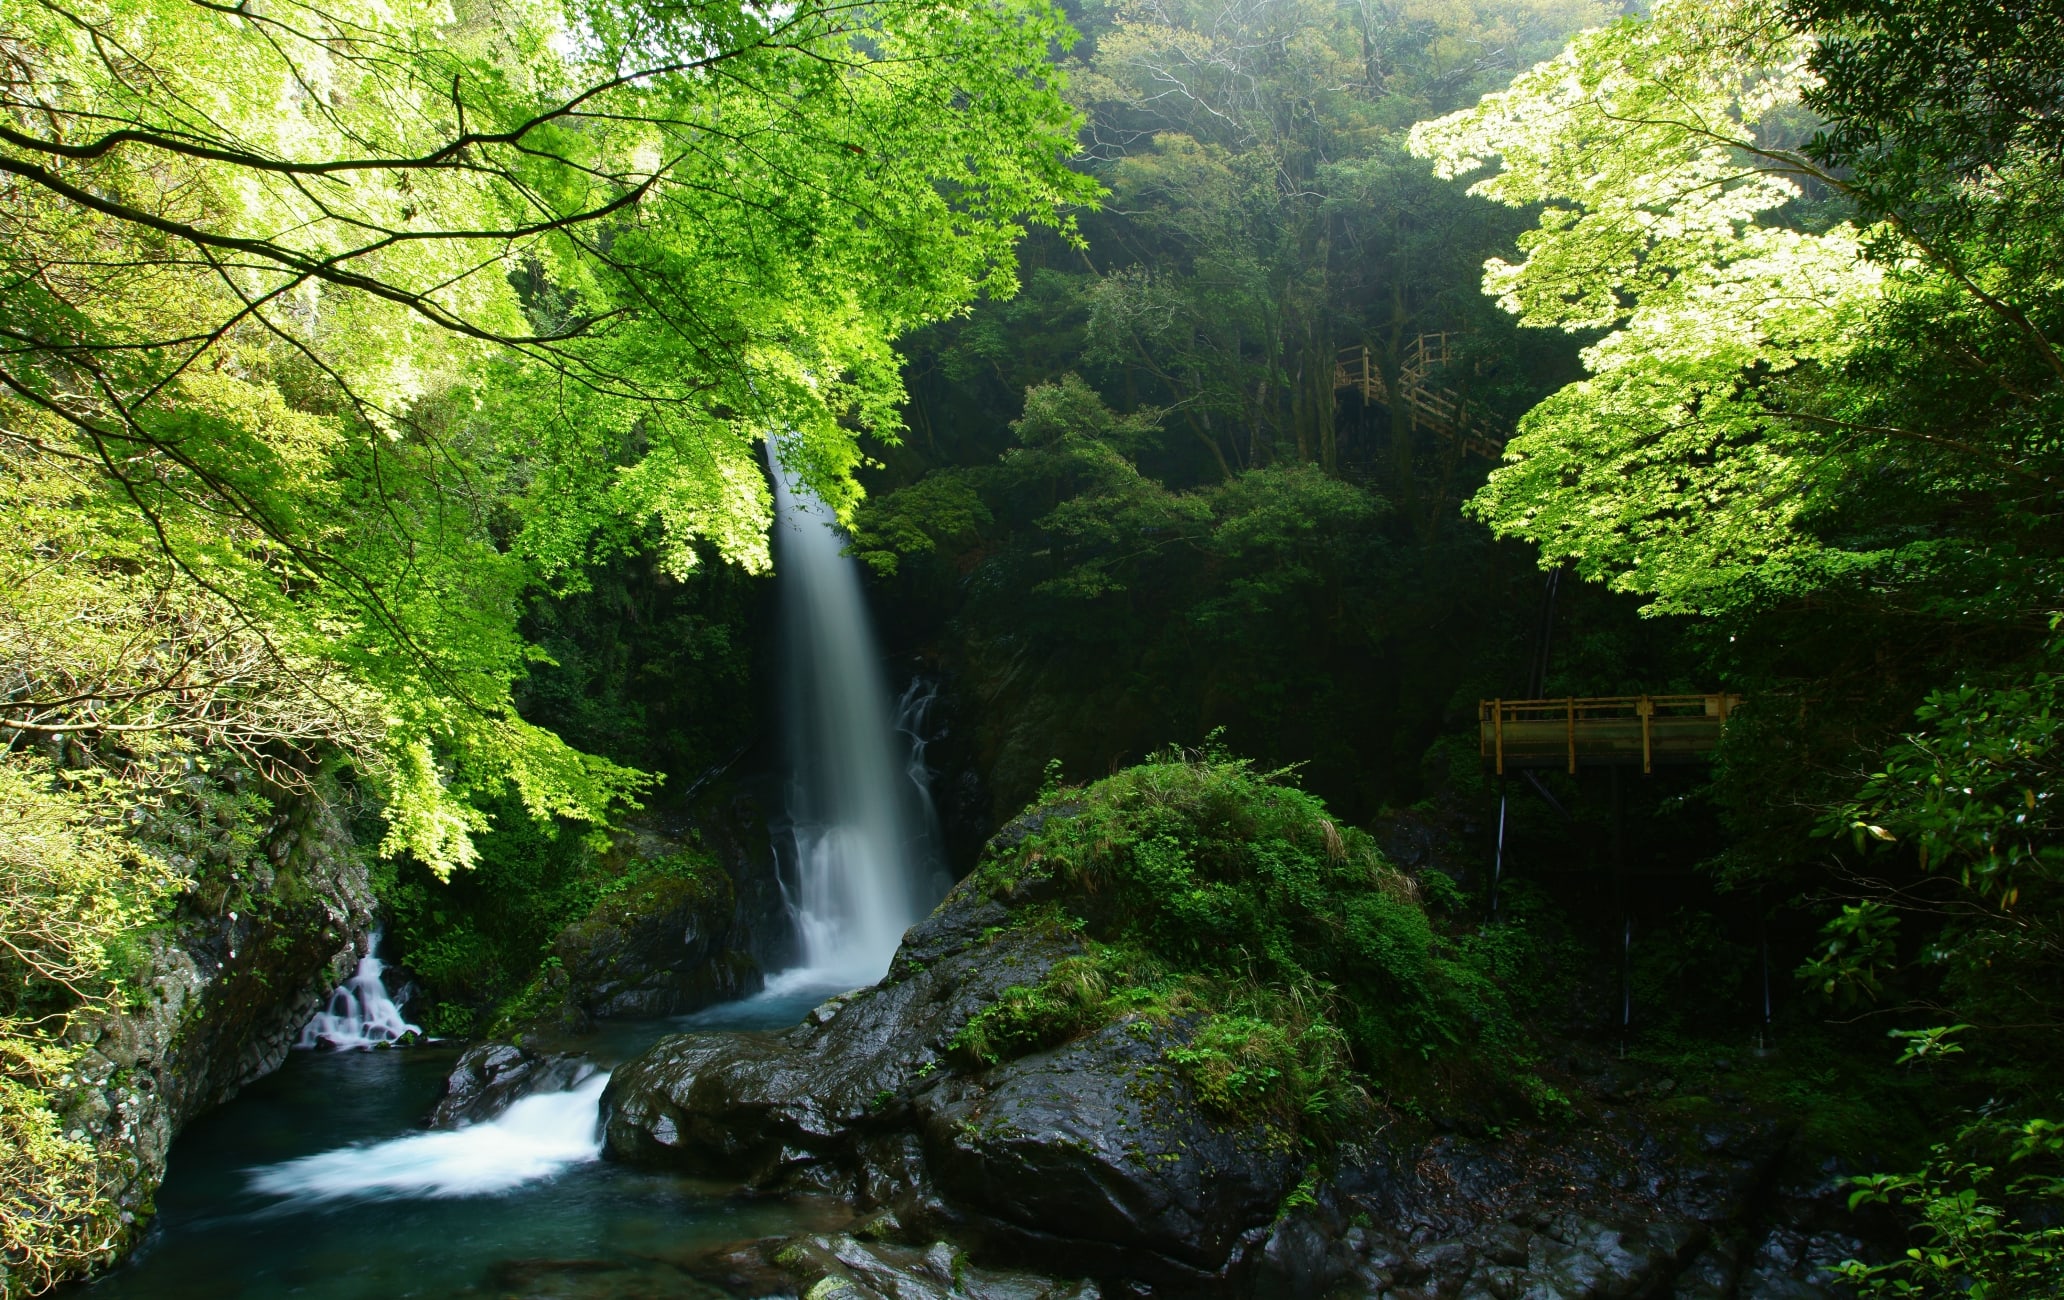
<point x="852" y="1267"/>
<point x="1100" y="1144"/>
<point x="491" y="1077"/>
<point x="1038" y="1084"/>
<point x="1094" y="1146"/>
<point x="1095" y="1156"/>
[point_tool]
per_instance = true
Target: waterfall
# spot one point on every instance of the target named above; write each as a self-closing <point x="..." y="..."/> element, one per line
<point x="914" y="725"/>
<point x="535" y="1138"/>
<point x="359" y="1013"/>
<point x="864" y="845"/>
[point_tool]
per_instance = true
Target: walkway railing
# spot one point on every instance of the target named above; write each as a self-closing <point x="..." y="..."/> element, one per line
<point x="1419" y="401"/>
<point x="1601" y="730"/>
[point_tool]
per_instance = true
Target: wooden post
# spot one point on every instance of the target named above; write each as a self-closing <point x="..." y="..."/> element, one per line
<point x="1619" y="857"/>
<point x="1572" y="735"/>
<point x="1498" y="731"/>
<point x="1645" y="709"/>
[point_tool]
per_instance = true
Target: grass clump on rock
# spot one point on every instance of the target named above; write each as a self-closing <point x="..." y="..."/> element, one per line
<point x="1298" y="966"/>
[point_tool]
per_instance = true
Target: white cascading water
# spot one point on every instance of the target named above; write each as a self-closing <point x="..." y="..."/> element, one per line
<point x="913" y="726"/>
<point x="866" y="867"/>
<point x="359" y="1013"/>
<point x="536" y="1138"/>
<point x="864" y="858"/>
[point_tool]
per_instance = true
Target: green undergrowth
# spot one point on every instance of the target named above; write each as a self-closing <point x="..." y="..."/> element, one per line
<point x="1843" y="1102"/>
<point x="1301" y="971"/>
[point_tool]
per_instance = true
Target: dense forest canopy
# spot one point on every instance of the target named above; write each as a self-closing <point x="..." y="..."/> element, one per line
<point x="383" y="391"/>
<point x="1783" y="396"/>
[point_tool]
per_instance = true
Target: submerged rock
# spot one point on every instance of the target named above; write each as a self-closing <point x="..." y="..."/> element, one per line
<point x="491" y="1077"/>
<point x="845" y="1267"/>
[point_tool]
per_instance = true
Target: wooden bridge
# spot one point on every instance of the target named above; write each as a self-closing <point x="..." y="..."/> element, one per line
<point x="1419" y="401"/>
<point x="1601" y="731"/>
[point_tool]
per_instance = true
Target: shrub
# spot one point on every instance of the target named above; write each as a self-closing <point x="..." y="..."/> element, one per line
<point x="74" y="893"/>
<point x="1985" y="1211"/>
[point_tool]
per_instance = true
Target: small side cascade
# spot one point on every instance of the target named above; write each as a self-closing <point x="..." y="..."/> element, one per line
<point x="359" y="1015"/>
<point x="914" y="724"/>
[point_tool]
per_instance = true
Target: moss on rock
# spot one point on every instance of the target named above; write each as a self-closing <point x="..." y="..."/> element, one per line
<point x="1300" y="963"/>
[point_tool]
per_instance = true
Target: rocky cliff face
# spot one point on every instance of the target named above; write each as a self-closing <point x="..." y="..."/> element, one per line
<point x="229" y="982"/>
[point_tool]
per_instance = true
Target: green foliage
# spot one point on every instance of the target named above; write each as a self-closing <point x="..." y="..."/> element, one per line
<point x="337" y="332"/>
<point x="1146" y="602"/>
<point x="1068" y="1001"/>
<point x="1252" y="548"/>
<point x="1934" y="108"/>
<point x="504" y="300"/>
<point x="1821" y="241"/>
<point x="1263" y="215"/>
<point x="1986" y="1226"/>
<point x="1931" y="1044"/>
<point x="1244" y="1066"/>
<point x="1973" y="791"/>
<point x="1966" y="801"/>
<point x="1675" y="470"/>
<point x="92" y="862"/>
<point x="56" y="1217"/>
<point x="1689" y="975"/>
<point x="73" y="892"/>
<point x="1857" y="949"/>
<point x="1297" y="964"/>
<point x="648" y="669"/>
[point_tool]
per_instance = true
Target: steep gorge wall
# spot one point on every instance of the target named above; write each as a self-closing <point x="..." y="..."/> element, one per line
<point x="228" y="982"/>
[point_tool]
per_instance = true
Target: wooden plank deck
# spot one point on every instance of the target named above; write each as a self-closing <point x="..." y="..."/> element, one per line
<point x="1599" y="731"/>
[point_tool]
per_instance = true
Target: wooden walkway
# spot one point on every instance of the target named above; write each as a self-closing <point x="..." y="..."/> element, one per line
<point x="1601" y="731"/>
<point x="1423" y="404"/>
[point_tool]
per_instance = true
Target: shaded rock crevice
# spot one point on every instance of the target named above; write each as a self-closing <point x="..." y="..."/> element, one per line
<point x="684" y="923"/>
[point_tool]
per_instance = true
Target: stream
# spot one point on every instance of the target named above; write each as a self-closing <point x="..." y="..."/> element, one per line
<point x="318" y="1181"/>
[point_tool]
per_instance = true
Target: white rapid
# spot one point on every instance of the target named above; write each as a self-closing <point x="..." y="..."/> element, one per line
<point x="865" y="866"/>
<point x="359" y="1014"/>
<point x="536" y="1138"/>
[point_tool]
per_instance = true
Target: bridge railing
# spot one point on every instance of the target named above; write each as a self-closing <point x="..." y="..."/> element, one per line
<point x="1601" y="730"/>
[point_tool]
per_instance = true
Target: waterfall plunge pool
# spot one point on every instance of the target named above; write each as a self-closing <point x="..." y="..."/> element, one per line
<point x="317" y="1182"/>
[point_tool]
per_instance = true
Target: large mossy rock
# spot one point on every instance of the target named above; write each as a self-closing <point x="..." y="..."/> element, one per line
<point x="658" y="947"/>
<point x="670" y="930"/>
<point x="1097" y="1143"/>
<point x="1182" y="1031"/>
